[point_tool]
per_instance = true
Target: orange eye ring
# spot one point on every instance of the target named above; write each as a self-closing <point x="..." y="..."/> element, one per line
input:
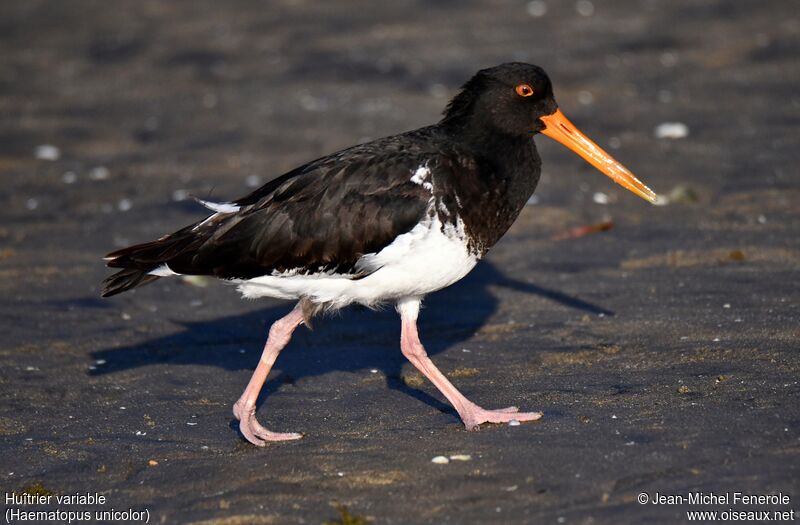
<point x="524" y="90"/>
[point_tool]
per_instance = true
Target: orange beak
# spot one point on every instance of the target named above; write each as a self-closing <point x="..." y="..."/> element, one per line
<point x="565" y="132"/>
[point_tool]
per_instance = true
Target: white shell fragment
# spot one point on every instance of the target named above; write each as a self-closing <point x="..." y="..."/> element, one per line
<point x="440" y="460"/>
<point x="47" y="152"/>
<point x="671" y="130"/>
<point x="460" y="457"/>
<point x="513" y="423"/>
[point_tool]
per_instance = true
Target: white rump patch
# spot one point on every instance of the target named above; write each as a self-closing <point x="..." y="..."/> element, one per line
<point x="219" y="207"/>
<point x="421" y="177"/>
<point x="162" y="271"/>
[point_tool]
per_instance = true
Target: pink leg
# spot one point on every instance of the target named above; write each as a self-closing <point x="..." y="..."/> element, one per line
<point x="245" y="408"/>
<point x="471" y="414"/>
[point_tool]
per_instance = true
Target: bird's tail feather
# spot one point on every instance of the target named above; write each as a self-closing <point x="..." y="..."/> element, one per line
<point x="138" y="261"/>
<point x="124" y="280"/>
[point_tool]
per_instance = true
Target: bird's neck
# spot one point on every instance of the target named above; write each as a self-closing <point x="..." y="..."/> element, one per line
<point x="508" y="171"/>
<point x="500" y="155"/>
<point x="506" y="153"/>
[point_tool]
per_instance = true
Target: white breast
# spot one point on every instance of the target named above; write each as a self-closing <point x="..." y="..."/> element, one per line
<point x="428" y="258"/>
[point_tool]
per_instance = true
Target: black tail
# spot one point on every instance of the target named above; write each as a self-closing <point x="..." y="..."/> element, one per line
<point x="138" y="261"/>
<point x="124" y="280"/>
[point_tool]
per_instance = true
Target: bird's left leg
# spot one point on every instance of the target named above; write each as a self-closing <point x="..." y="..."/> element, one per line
<point x="245" y="408"/>
<point x="471" y="414"/>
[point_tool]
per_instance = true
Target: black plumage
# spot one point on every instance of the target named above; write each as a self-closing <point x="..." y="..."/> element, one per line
<point x="389" y="221"/>
<point x="325" y="215"/>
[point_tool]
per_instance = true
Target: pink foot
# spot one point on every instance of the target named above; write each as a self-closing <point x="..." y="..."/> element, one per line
<point x="475" y="415"/>
<point x="252" y="429"/>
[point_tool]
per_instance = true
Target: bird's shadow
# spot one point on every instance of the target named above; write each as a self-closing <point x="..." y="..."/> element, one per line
<point x="353" y="339"/>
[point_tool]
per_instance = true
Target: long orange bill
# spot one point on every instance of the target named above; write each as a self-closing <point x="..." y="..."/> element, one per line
<point x="565" y="132"/>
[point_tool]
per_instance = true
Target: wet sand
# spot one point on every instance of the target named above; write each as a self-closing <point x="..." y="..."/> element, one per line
<point x="663" y="351"/>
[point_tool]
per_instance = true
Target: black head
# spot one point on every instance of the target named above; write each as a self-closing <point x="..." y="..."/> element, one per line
<point x="509" y="98"/>
<point x="514" y="101"/>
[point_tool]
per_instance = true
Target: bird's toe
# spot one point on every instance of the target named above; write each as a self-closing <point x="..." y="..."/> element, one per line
<point x="477" y="416"/>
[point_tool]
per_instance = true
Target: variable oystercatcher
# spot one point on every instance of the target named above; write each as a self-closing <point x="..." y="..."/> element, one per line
<point x="386" y="222"/>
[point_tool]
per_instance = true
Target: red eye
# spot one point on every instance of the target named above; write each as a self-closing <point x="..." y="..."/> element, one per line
<point x="524" y="90"/>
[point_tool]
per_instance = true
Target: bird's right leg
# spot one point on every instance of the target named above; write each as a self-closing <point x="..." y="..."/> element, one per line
<point x="245" y="408"/>
<point x="471" y="414"/>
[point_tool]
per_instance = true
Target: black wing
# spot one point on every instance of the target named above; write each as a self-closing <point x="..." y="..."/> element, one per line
<point x="323" y="216"/>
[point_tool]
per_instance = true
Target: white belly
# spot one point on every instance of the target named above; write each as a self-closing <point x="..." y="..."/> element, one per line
<point x="428" y="258"/>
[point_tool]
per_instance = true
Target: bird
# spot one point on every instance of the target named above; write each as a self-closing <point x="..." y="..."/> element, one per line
<point x="382" y="223"/>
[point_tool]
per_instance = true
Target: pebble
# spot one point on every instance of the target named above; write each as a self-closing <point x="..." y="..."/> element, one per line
<point x="69" y="177"/>
<point x="585" y="98"/>
<point x="124" y="205"/>
<point x="32" y="204"/>
<point x="671" y="130"/>
<point x="210" y="100"/>
<point x="668" y="59"/>
<point x="47" y="152"/>
<point x="683" y="194"/>
<point x="536" y="8"/>
<point x="440" y="460"/>
<point x="513" y="423"/>
<point x="584" y="8"/>
<point x="438" y="90"/>
<point x="600" y="198"/>
<point x="99" y="173"/>
<point x="180" y="195"/>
